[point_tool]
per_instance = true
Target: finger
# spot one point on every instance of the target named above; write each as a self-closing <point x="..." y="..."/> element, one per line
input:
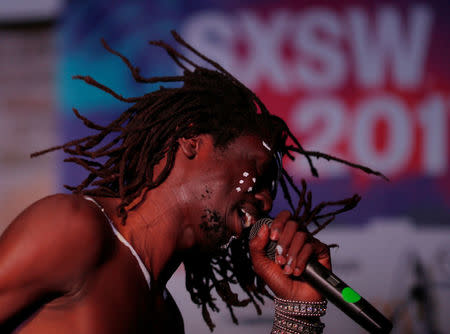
<point x="297" y="244"/>
<point x="302" y="259"/>
<point x="278" y="224"/>
<point x="284" y="242"/>
<point x="322" y="252"/>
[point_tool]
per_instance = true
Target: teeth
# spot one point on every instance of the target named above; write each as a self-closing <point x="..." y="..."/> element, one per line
<point x="248" y="220"/>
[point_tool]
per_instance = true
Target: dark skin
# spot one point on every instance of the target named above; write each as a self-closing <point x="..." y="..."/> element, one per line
<point x="62" y="270"/>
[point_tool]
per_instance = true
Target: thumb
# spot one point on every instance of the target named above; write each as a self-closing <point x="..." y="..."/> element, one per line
<point x="264" y="267"/>
<point x="259" y="242"/>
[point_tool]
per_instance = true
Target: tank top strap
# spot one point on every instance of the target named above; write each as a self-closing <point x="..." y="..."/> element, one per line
<point x="122" y="240"/>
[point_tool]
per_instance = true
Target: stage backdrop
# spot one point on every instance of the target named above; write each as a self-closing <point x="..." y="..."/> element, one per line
<point x="366" y="81"/>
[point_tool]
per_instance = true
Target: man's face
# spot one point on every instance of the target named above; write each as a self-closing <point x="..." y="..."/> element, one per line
<point x="235" y="189"/>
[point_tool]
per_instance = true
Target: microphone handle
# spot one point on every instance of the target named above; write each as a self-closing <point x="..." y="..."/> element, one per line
<point x="346" y="299"/>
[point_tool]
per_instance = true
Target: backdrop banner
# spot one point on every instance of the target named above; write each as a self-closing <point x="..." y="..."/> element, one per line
<point x="367" y="83"/>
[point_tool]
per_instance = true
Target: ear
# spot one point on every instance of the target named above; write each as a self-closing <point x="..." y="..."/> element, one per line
<point x="190" y="146"/>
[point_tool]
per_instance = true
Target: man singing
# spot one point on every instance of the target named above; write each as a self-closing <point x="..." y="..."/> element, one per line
<point x="178" y="178"/>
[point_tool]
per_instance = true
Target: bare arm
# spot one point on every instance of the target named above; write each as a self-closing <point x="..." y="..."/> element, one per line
<point x="47" y="251"/>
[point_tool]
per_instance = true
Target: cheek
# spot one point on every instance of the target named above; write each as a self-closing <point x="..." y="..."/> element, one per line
<point x="246" y="182"/>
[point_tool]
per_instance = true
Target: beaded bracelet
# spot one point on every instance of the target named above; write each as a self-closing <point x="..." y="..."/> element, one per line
<point x="299" y="329"/>
<point x="313" y="323"/>
<point x="300" y="308"/>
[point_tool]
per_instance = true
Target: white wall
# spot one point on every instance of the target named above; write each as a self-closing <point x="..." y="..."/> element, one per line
<point x="12" y="10"/>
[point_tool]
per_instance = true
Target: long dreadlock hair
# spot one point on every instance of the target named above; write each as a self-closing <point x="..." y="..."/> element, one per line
<point x="209" y="101"/>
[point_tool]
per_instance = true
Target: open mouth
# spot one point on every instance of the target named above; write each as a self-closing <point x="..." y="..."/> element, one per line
<point x="247" y="219"/>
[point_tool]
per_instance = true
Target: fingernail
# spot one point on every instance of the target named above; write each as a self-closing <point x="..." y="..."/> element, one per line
<point x="274" y="234"/>
<point x="290" y="260"/>
<point x="287" y="269"/>
<point x="280" y="259"/>
<point x="279" y="249"/>
<point x="297" y="272"/>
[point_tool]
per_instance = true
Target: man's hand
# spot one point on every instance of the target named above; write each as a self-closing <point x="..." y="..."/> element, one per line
<point x="294" y="249"/>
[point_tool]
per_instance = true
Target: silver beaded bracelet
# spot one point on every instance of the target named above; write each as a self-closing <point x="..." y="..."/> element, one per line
<point x="298" y="317"/>
<point x="300" y="330"/>
<point x="300" y="308"/>
<point x="309" y="322"/>
<point x="287" y="327"/>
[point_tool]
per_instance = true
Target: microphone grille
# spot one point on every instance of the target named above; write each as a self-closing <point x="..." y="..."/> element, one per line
<point x="257" y="226"/>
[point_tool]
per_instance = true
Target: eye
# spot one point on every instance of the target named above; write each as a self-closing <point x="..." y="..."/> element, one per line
<point x="268" y="179"/>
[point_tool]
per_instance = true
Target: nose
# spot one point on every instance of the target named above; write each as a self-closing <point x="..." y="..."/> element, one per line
<point x="265" y="199"/>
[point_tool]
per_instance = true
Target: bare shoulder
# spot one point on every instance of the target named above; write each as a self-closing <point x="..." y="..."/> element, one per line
<point x="60" y="234"/>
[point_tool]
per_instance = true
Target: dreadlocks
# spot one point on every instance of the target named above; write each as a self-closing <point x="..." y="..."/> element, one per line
<point x="209" y="101"/>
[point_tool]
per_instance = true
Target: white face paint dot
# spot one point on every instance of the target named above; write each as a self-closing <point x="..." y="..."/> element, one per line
<point x="266" y="146"/>
<point x="250" y="189"/>
<point x="254" y="179"/>
<point x="238" y="189"/>
<point x="245" y="174"/>
<point x="241" y="181"/>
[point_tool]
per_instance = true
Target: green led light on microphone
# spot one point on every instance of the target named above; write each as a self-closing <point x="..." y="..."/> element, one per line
<point x="350" y="295"/>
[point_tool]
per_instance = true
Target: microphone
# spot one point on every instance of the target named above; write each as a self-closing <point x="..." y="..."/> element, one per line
<point x="334" y="289"/>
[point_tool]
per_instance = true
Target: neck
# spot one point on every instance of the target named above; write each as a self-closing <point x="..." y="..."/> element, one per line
<point x="158" y="230"/>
